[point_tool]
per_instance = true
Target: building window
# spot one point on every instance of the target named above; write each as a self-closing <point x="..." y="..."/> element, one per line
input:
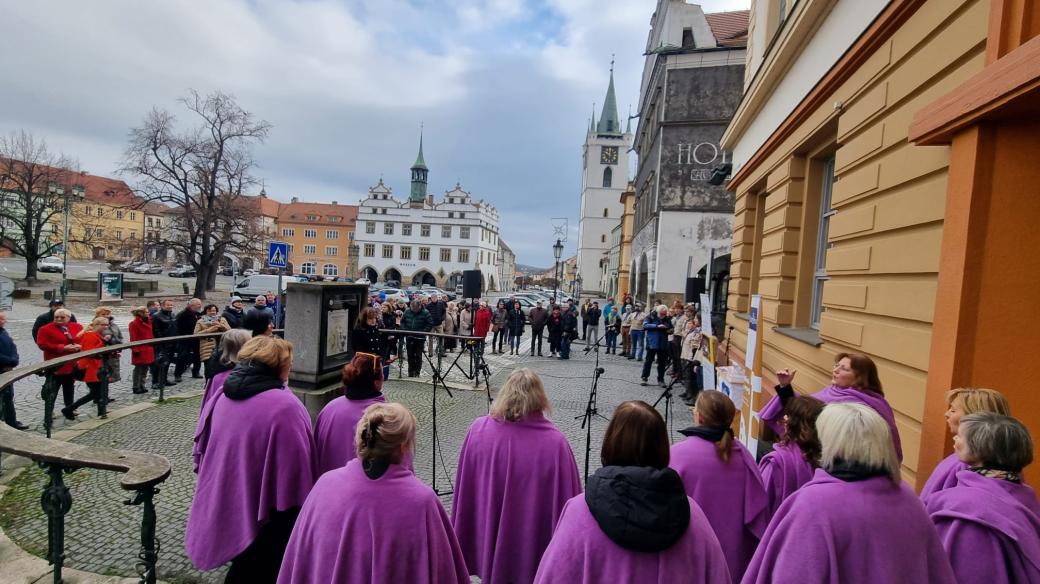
<point x="158" y="222"/>
<point x="310" y="233"/>
<point x="388" y="251"/>
<point x="370" y="250"/>
<point x="310" y="249"/>
<point x="464" y="256"/>
<point x="148" y="221"/>
<point x="350" y="235"/>
<point x="133" y="235"/>
<point x="464" y="232"/>
<point x="370" y="226"/>
<point x="462" y="215"/>
<point x="331" y="250"/>
<point x="286" y="232"/>
<point x="100" y="212"/>
<point x="133" y="216"/>
<point x="608" y="176"/>
<point x="424" y="254"/>
<point x="820" y="268"/>
<point x="424" y="230"/>
<point x="446" y="231"/>
<point x="119" y="214"/>
<point x="606" y="213"/>
<point x="687" y="39"/>
<point x="445" y="254"/>
<point x="307" y="268"/>
<point x="312" y="217"/>
<point x="334" y="219"/>
<point x="331" y="234"/>
<point x="330" y="270"/>
<point x="451" y="214"/>
<point x="406" y="229"/>
<point x="602" y="238"/>
<point x="406" y="252"/>
<point x="388" y="228"/>
<point x="290" y="247"/>
<point x="119" y="234"/>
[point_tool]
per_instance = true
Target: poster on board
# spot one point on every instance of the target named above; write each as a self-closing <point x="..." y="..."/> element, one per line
<point x="752" y="335"/>
<point x="706" y="315"/>
<point x="110" y="286"/>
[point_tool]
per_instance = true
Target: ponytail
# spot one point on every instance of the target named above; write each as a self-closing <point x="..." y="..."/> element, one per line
<point x="716" y="412"/>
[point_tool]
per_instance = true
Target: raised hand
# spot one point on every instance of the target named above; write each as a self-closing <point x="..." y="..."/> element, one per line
<point x="785" y="376"/>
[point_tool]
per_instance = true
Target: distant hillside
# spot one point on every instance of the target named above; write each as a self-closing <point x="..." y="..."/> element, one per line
<point x="525" y="269"/>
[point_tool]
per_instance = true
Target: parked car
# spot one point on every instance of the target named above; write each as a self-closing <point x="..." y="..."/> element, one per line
<point x="251" y="287"/>
<point x="393" y="283"/>
<point x="148" y="269"/>
<point x="393" y="294"/>
<point x="50" y="264"/>
<point x="365" y="281"/>
<point x="249" y="272"/>
<point x="183" y="272"/>
<point x="226" y="271"/>
<point x="129" y="266"/>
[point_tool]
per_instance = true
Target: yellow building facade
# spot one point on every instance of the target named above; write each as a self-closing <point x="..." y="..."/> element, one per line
<point x="628" y="205"/>
<point x="107" y="224"/>
<point x="319" y="237"/>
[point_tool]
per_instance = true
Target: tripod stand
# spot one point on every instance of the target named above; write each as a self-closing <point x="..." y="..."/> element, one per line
<point x="591" y="408"/>
<point x="438" y="377"/>
<point x="666" y="395"/>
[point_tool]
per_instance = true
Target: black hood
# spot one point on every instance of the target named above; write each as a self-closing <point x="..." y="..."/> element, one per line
<point x="249" y="379"/>
<point x="640" y="508"/>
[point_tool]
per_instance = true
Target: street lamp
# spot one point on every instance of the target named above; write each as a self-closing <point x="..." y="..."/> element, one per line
<point x="557" y="252"/>
<point x="352" y="252"/>
<point x="58" y="190"/>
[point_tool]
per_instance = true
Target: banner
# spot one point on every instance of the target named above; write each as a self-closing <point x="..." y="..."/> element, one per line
<point x="110" y="286"/>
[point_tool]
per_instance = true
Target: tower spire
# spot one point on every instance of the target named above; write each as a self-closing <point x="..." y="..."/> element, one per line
<point x="420" y="174"/>
<point x="628" y="124"/>
<point x="609" y="125"/>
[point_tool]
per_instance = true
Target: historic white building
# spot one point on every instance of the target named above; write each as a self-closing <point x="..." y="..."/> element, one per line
<point x="604" y="177"/>
<point x="423" y="241"/>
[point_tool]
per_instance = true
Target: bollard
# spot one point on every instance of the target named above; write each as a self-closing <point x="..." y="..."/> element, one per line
<point x="185" y="286"/>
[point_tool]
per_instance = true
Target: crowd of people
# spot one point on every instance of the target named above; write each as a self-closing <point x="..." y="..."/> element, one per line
<point x="339" y="501"/>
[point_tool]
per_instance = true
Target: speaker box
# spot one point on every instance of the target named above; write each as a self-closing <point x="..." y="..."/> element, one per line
<point x="694" y="289"/>
<point x="471" y="284"/>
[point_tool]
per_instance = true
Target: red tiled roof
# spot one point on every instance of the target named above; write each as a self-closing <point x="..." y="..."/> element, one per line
<point x="107" y="191"/>
<point x="730" y="28"/>
<point x="299" y="211"/>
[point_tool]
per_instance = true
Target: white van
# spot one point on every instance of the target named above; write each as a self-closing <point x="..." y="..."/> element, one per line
<point x="251" y="287"/>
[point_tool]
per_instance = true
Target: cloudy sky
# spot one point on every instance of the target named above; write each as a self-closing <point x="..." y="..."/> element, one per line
<point x="504" y="88"/>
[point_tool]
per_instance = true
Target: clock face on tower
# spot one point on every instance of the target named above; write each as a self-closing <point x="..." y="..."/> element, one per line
<point x="608" y="155"/>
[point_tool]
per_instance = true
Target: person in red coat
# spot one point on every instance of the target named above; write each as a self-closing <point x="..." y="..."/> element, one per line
<point x="482" y="324"/>
<point x="142" y="357"/>
<point x="57" y="339"/>
<point x="91" y="339"/>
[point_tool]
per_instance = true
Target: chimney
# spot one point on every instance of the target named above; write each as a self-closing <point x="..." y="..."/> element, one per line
<point x="294" y="200"/>
<point x="429" y="200"/>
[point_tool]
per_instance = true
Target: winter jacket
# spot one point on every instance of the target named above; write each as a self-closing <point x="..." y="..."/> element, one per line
<point x="52" y="341"/>
<point x="515" y="322"/>
<point x="437" y="311"/>
<point x="451" y="323"/>
<point x="141" y="330"/>
<point x="482" y="322"/>
<point x="8" y="351"/>
<point x="466" y="322"/>
<point x="499" y="319"/>
<point x="592" y="316"/>
<point x="417" y="321"/>
<point x="207" y="345"/>
<point x="249" y="379"/>
<point x="90" y="365"/>
<point x="639" y="508"/>
<point x="367" y="339"/>
<point x="570" y="325"/>
<point x="555" y="324"/>
<point x="638" y="318"/>
<point x="45" y="318"/>
<point x="163" y="325"/>
<point x="657" y="331"/>
<point x="538" y="317"/>
<point x="233" y="317"/>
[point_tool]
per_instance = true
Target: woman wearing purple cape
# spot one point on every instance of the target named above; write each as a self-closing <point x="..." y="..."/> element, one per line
<point x="989" y="521"/>
<point x="256" y="470"/>
<point x="516" y="471"/>
<point x="855" y="522"/>
<point x="796" y="455"/>
<point x="722" y="477"/>
<point x="337" y="422"/>
<point x="853" y="379"/>
<point x="634" y="524"/>
<point x="373" y="520"/>
<point x="217" y="371"/>
<point x="961" y="402"/>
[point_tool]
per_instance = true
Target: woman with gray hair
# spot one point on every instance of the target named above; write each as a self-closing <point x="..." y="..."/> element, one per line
<point x="516" y="470"/>
<point x="989" y="522"/>
<point x="855" y="521"/>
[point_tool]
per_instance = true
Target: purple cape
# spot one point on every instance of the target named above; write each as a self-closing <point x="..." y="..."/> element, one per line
<point x="783" y="471"/>
<point x="990" y="529"/>
<point x="213" y="388"/>
<point x="580" y="553"/>
<point x="838" y="532"/>
<point x="334" y="432"/>
<point x="512" y="483"/>
<point x="356" y="529"/>
<point x="944" y="476"/>
<point x="259" y="458"/>
<point x="731" y="495"/>
<point x="774" y="410"/>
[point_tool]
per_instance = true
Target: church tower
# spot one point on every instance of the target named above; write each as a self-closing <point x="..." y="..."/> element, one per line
<point x="419" y="178"/>
<point x="604" y="178"/>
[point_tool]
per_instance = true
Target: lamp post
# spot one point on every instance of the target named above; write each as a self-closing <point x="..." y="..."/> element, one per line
<point x="58" y="190"/>
<point x="557" y="252"/>
<point x="577" y="286"/>
<point x="352" y="252"/>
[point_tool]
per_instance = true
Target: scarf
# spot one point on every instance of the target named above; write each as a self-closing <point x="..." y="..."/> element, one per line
<point x="851" y="472"/>
<point x="709" y="434"/>
<point x="994" y="473"/>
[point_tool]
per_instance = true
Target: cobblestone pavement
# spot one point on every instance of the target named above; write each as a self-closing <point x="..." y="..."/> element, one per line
<point x="102" y="533"/>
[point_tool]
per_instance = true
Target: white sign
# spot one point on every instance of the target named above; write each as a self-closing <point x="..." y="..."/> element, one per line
<point x="752" y="335"/>
<point x="706" y="315"/>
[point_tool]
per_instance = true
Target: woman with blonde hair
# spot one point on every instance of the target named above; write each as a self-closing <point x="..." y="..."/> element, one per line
<point x="91" y="338"/>
<point x="515" y="472"/>
<point x="256" y="467"/>
<point x="961" y="402"/>
<point x="112" y="336"/>
<point x="855" y="521"/>
<point x="989" y="519"/>
<point x="373" y="520"/>
<point x="334" y="430"/>
<point x="722" y="477"/>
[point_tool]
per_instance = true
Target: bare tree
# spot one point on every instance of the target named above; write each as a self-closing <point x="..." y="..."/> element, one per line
<point x="203" y="172"/>
<point x="29" y="207"/>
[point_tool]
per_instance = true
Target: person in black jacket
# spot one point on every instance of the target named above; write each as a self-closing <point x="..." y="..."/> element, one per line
<point x="515" y="326"/>
<point x="438" y="309"/>
<point x="163" y="325"/>
<point x="539" y="317"/>
<point x="555" y="324"/>
<point x="188" y="351"/>
<point x="592" y="324"/>
<point x="8" y="361"/>
<point x="234" y="313"/>
<point x="570" y="333"/>
<point x="48" y="316"/>
<point x="417" y="319"/>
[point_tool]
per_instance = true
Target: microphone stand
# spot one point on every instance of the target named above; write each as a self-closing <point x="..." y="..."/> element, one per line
<point x="591" y="408"/>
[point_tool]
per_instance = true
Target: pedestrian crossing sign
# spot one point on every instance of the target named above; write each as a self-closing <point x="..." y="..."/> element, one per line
<point x="277" y="254"/>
